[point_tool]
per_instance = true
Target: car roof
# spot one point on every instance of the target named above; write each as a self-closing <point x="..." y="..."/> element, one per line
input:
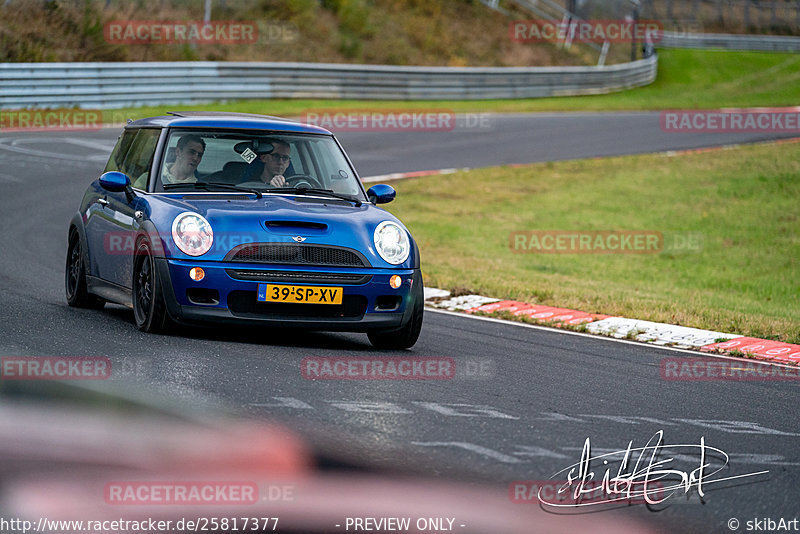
<point x="223" y="119"/>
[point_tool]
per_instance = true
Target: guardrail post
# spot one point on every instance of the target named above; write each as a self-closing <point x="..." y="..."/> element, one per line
<point x="603" y="53"/>
<point x="648" y="10"/>
<point x="746" y="15"/>
<point x="635" y="22"/>
<point x="772" y="19"/>
<point x="569" y="35"/>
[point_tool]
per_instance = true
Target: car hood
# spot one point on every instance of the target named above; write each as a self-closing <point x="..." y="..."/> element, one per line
<point x="310" y="220"/>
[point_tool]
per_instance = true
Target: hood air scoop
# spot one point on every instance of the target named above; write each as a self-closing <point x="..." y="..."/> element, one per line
<point x="307" y="225"/>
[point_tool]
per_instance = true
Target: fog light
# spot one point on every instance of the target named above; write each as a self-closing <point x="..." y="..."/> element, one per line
<point x="197" y="274"/>
<point x="395" y="281"/>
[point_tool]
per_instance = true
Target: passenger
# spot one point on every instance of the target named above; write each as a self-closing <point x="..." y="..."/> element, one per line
<point x="188" y="155"/>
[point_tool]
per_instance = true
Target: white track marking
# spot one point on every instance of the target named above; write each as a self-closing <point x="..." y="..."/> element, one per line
<point x="14" y="145"/>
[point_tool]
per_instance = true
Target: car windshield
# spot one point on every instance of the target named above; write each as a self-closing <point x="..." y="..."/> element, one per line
<point x="199" y="159"/>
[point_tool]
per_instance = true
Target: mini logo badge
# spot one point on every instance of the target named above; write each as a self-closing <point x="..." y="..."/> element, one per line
<point x="299" y="238"/>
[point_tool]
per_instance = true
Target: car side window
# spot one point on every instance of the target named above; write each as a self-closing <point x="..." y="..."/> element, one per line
<point x="139" y="158"/>
<point x="117" y="157"/>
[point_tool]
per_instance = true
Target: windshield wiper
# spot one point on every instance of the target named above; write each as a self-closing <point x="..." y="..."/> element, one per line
<point x="206" y="185"/>
<point x="304" y="190"/>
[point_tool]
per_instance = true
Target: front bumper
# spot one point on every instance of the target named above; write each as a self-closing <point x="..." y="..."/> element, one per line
<point x="228" y="294"/>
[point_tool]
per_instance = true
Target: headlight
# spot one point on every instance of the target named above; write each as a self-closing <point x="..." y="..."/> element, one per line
<point x="192" y="233"/>
<point x="392" y="242"/>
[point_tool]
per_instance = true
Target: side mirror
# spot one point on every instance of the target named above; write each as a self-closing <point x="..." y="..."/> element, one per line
<point x="115" y="181"/>
<point x="381" y="194"/>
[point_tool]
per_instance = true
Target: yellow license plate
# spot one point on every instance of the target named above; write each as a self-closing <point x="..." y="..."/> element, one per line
<point x="299" y="294"/>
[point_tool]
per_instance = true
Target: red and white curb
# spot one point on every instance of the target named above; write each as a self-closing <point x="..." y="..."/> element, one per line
<point x="620" y="327"/>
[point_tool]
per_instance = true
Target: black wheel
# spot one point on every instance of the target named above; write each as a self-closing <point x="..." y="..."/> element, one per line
<point x="149" y="310"/>
<point x="298" y="180"/>
<point x="78" y="294"/>
<point x="406" y="336"/>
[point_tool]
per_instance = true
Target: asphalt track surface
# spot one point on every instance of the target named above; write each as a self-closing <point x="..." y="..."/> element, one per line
<point x="481" y="140"/>
<point x="526" y="416"/>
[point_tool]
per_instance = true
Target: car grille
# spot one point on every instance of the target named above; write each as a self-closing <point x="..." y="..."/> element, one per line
<point x="298" y="277"/>
<point x="246" y="304"/>
<point x="296" y="255"/>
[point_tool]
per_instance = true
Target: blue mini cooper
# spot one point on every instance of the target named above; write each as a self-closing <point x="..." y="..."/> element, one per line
<point x="238" y="218"/>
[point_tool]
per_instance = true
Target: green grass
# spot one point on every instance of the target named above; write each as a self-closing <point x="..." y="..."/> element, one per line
<point x="744" y="202"/>
<point x="686" y="79"/>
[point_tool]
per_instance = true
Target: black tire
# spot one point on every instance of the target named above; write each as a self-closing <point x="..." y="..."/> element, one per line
<point x="78" y="295"/>
<point x="406" y="336"/>
<point x="149" y="310"/>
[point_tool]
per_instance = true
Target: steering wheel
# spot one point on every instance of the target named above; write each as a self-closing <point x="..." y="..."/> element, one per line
<point x="298" y="180"/>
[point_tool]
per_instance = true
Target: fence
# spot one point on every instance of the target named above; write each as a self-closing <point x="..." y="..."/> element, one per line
<point x="114" y="85"/>
<point x="770" y="43"/>
<point x="778" y="16"/>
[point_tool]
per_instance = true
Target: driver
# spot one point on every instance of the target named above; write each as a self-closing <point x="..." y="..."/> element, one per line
<point x="275" y="163"/>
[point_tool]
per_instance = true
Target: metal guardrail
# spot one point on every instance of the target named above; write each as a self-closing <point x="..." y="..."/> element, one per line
<point x="766" y="43"/>
<point x="115" y="85"/>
